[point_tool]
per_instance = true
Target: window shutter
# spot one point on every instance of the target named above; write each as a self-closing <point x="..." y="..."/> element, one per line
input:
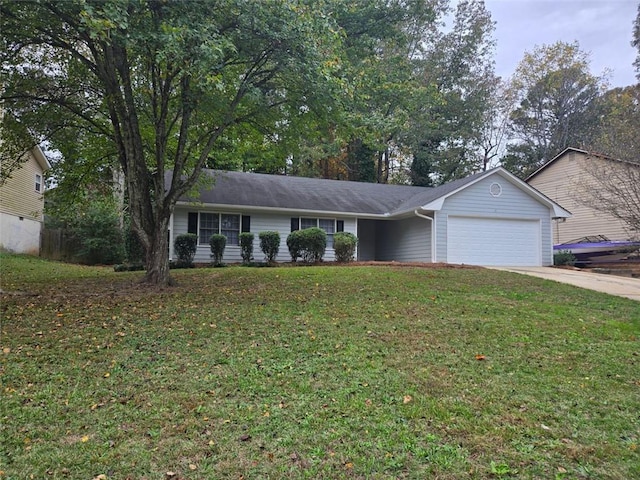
<point x="192" y="225"/>
<point x="339" y="225"/>
<point x="295" y="224"/>
<point x="246" y="223"/>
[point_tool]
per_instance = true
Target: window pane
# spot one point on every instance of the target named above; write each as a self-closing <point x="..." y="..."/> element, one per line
<point x="231" y="228"/>
<point x="308" y="223"/>
<point x="208" y="226"/>
<point x="329" y="227"/>
<point x="38" y="185"/>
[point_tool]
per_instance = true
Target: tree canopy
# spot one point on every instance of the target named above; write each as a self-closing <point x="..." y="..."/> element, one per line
<point x="556" y="105"/>
<point x="165" y="86"/>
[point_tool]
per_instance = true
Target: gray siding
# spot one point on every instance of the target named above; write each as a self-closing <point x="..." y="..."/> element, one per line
<point x="260" y="222"/>
<point x="407" y="240"/>
<point x="477" y="201"/>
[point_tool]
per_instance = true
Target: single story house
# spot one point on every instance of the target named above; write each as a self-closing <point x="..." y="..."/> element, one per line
<point x="490" y="218"/>
<point x="567" y="179"/>
<point x="22" y="204"/>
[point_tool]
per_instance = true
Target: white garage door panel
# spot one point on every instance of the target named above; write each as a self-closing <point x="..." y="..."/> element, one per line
<point x="493" y="241"/>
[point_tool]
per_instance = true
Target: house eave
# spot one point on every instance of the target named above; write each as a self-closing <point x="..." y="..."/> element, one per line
<point x="319" y="213"/>
<point x="41" y="158"/>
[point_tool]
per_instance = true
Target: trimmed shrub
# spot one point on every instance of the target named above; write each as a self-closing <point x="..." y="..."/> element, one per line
<point x="344" y="244"/>
<point x="314" y="244"/>
<point x="185" y="246"/>
<point x="564" y="257"/>
<point x="246" y="247"/>
<point x="270" y="245"/>
<point x="294" y="244"/>
<point x="217" y="243"/>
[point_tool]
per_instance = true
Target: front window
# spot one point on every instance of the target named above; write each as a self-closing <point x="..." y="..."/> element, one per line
<point x="326" y="224"/>
<point x="230" y="228"/>
<point x="308" y="223"/>
<point x="208" y="226"/>
<point x="329" y="227"/>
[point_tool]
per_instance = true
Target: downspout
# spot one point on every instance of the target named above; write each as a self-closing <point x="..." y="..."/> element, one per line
<point x="433" y="240"/>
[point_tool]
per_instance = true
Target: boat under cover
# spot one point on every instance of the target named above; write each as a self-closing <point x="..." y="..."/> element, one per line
<point x="598" y="248"/>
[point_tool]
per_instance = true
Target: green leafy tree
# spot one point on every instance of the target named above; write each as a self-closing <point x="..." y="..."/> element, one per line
<point x="163" y="86"/>
<point x="557" y="105"/>
<point x="446" y="114"/>
<point x="618" y="135"/>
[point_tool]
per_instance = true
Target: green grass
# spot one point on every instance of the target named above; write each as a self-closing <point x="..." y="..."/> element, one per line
<point x="314" y="372"/>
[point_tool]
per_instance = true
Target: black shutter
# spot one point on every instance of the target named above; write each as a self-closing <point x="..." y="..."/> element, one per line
<point x="246" y="223"/>
<point x="192" y="225"/>
<point x="295" y="224"/>
<point x="339" y="225"/>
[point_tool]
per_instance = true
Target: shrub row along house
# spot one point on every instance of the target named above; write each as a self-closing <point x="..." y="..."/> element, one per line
<point x="490" y="218"/>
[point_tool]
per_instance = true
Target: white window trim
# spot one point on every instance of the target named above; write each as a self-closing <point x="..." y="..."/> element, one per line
<point x="317" y="219"/>
<point x="38" y="184"/>
<point x="219" y="214"/>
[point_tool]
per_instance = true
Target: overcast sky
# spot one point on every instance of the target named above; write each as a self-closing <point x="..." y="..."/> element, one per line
<point x="603" y="28"/>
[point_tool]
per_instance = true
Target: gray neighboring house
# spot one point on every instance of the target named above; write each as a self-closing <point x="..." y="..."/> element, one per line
<point x="490" y="218"/>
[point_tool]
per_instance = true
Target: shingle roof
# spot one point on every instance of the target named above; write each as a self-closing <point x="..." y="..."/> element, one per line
<point x="314" y="194"/>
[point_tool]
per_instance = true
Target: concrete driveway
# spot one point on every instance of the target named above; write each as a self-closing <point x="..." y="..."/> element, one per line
<point x="611" y="284"/>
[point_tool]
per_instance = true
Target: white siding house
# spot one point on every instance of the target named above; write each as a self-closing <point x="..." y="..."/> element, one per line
<point x="490" y="218"/>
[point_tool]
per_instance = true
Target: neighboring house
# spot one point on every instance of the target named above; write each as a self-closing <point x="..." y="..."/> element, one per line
<point x="491" y="218"/>
<point x="22" y="205"/>
<point x="566" y="179"/>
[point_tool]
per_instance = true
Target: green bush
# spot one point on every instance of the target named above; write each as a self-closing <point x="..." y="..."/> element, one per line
<point x="270" y="245"/>
<point x="308" y="244"/>
<point x="217" y="243"/>
<point x="314" y="244"/>
<point x="185" y="247"/>
<point x="344" y="244"/>
<point x="294" y="244"/>
<point x="246" y="247"/>
<point x="564" y="257"/>
<point x="97" y="229"/>
<point x="134" y="251"/>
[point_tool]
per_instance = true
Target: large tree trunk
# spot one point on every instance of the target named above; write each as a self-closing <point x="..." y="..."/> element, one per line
<point x="157" y="257"/>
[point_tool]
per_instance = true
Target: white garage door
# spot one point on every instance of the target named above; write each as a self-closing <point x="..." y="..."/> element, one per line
<point x="493" y="241"/>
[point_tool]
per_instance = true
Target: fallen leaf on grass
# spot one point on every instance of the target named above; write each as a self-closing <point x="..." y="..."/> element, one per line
<point x="480" y="357"/>
<point x="407" y="399"/>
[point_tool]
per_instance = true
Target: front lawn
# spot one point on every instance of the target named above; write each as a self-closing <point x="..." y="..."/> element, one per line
<point x="314" y="372"/>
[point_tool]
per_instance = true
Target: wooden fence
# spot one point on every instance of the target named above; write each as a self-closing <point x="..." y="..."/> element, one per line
<point x="58" y="244"/>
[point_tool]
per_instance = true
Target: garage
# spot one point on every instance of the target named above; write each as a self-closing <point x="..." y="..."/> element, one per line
<point x="493" y="241"/>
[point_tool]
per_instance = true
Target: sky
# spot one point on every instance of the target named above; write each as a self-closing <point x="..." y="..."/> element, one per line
<point x="603" y="28"/>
